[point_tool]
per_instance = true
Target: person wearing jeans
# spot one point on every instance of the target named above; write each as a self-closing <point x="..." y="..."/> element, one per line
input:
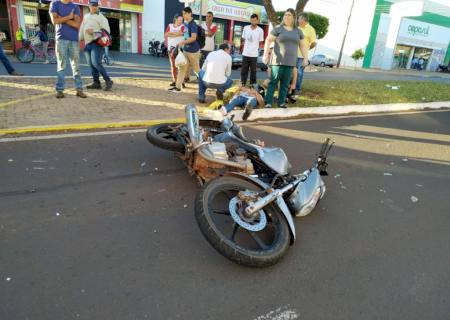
<point x="287" y="38"/>
<point x="90" y="29"/>
<point x="215" y="73"/>
<point x="245" y="98"/>
<point x="9" y="68"/>
<point x="65" y="16"/>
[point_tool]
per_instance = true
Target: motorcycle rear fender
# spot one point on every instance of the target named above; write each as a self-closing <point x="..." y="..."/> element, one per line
<point x="280" y="201"/>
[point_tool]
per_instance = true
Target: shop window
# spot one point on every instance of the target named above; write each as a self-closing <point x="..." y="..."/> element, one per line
<point x="31" y="18"/>
<point x="237" y="36"/>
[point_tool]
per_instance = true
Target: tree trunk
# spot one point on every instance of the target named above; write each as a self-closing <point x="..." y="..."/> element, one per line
<point x="300" y="6"/>
<point x="271" y="13"/>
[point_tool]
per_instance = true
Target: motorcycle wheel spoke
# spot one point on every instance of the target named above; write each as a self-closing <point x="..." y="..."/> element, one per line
<point x="258" y="240"/>
<point x="235" y="229"/>
<point x="224" y="212"/>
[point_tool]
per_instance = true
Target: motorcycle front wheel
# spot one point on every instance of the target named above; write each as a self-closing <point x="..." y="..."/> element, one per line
<point x="262" y="248"/>
<point x="165" y="136"/>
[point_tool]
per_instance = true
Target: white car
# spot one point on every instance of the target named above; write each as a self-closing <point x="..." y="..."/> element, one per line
<point x="323" y="60"/>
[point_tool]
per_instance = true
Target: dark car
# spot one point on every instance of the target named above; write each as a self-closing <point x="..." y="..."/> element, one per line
<point x="237" y="60"/>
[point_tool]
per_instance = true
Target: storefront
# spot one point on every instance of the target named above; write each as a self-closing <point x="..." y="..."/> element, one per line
<point x="422" y="42"/>
<point x="124" y="16"/>
<point x="229" y="16"/>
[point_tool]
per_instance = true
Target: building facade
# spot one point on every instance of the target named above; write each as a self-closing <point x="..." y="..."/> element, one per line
<point x="124" y="17"/>
<point x="229" y="16"/>
<point x="425" y="37"/>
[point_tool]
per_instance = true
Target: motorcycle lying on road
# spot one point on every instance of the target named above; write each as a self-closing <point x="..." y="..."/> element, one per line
<point x="248" y="198"/>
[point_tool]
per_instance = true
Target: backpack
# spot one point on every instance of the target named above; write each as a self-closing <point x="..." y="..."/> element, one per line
<point x="201" y="37"/>
<point x="103" y="38"/>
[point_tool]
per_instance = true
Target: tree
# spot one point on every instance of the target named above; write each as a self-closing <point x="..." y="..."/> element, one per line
<point x="318" y="22"/>
<point x="357" y="55"/>
<point x="271" y="13"/>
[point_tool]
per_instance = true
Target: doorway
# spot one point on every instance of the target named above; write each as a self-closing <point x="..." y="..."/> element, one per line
<point x="114" y="25"/>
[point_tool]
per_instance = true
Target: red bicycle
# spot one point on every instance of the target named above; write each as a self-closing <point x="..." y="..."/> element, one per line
<point x="31" y="50"/>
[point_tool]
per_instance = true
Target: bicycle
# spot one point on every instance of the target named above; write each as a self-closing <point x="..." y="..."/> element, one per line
<point x="30" y="51"/>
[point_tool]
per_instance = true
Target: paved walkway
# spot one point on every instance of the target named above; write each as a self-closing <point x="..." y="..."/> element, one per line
<point x="31" y="102"/>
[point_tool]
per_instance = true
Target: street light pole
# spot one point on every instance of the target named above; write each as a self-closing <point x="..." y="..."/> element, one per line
<point x="345" y="35"/>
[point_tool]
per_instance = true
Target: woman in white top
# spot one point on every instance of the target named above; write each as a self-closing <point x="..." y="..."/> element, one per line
<point x="174" y="34"/>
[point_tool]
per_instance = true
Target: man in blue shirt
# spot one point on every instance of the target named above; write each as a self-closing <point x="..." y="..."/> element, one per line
<point x="191" y="49"/>
<point x="65" y="16"/>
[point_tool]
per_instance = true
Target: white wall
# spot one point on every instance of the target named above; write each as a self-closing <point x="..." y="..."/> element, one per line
<point x="337" y="12"/>
<point x="153" y="22"/>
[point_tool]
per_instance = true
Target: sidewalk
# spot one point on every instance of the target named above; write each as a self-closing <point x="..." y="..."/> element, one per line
<point x="29" y="105"/>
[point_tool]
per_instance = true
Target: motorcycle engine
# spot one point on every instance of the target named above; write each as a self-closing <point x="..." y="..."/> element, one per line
<point x="239" y="155"/>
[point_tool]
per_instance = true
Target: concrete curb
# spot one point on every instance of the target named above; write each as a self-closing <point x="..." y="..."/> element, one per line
<point x="279" y="113"/>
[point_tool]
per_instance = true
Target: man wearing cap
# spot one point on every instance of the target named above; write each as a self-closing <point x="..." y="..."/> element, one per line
<point x="65" y="16"/>
<point x="92" y="24"/>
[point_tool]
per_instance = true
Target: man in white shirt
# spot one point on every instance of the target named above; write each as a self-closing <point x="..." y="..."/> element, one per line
<point x="215" y="73"/>
<point x="252" y="37"/>
<point x="210" y="32"/>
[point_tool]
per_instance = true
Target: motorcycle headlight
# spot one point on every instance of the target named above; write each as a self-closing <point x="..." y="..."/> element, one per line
<point x="308" y="207"/>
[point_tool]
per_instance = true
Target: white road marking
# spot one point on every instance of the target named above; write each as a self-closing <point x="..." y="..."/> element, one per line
<point x="282" y="313"/>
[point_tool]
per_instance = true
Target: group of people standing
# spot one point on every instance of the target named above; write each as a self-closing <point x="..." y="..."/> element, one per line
<point x="285" y="52"/>
<point x="69" y="31"/>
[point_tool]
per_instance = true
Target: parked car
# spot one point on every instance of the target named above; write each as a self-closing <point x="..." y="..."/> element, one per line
<point x="323" y="60"/>
<point x="236" y="58"/>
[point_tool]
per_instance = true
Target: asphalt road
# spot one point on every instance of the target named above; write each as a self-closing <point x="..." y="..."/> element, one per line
<point x="145" y="66"/>
<point x="102" y="227"/>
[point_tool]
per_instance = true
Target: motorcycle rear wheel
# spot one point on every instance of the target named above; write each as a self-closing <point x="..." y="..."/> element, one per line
<point x="165" y="136"/>
<point x="254" y="249"/>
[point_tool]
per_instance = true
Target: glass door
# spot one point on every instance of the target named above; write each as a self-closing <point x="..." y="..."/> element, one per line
<point x="125" y="32"/>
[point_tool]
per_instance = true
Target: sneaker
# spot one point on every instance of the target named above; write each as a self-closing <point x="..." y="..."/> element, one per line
<point x="223" y="110"/>
<point x="201" y="100"/>
<point x="172" y="84"/>
<point x="59" y="94"/>
<point x="94" y="85"/>
<point x="81" y="94"/>
<point x="175" y="89"/>
<point x="268" y="105"/>
<point x="282" y="106"/>
<point x="46" y="62"/>
<point x="247" y="112"/>
<point x="183" y="85"/>
<point x="108" y="85"/>
<point x="15" y="73"/>
<point x="219" y="95"/>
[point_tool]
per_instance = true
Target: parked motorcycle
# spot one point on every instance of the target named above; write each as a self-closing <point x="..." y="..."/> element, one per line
<point x="248" y="197"/>
<point x="163" y="52"/>
<point x="154" y="47"/>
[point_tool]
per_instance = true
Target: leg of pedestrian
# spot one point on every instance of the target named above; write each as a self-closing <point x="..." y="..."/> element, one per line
<point x="253" y="63"/>
<point x="221" y="90"/>
<point x="285" y="79"/>
<point x="95" y="74"/>
<point x="97" y="63"/>
<point x="234" y="102"/>
<point x="250" y="104"/>
<point x="300" y="70"/>
<point x="4" y="59"/>
<point x="201" y="88"/>
<point x="273" y="83"/>
<point x="244" y="70"/>
<point x="74" y="56"/>
<point x="62" y="55"/>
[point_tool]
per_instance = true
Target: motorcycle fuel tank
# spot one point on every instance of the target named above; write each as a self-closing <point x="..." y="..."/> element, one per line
<point x="276" y="159"/>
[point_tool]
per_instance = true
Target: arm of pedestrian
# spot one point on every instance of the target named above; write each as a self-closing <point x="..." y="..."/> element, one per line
<point x="75" y="23"/>
<point x="56" y="19"/>
<point x="189" y="40"/>
<point x="304" y="50"/>
<point x="313" y="45"/>
<point x="269" y="40"/>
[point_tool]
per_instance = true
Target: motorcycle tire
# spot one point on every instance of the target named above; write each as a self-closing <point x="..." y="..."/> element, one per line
<point x="163" y="136"/>
<point x="239" y="248"/>
<point x="25" y="55"/>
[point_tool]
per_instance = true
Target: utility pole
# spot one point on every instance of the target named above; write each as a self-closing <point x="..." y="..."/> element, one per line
<point x="345" y="35"/>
